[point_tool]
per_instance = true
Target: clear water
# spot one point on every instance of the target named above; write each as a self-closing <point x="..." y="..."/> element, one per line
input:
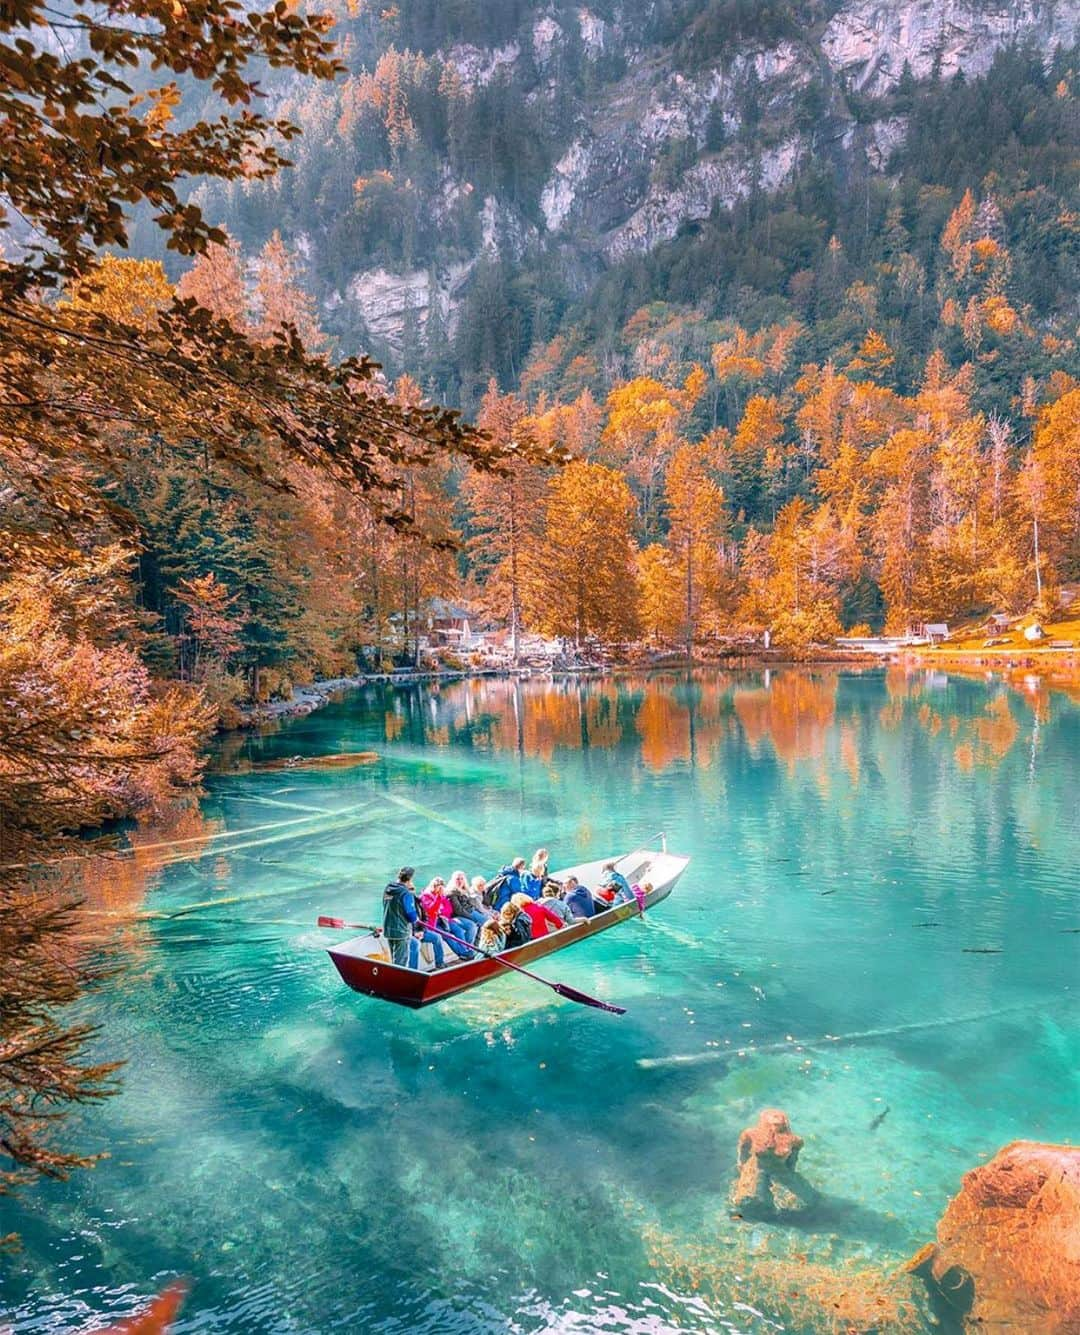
<point x="313" y="1160"/>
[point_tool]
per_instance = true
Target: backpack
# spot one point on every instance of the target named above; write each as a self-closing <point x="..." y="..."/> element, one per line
<point x="491" y="894"/>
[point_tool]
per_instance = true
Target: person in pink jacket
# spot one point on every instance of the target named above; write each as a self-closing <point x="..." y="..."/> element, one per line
<point x="439" y="912"/>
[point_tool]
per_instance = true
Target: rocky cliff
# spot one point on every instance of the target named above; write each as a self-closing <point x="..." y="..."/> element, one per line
<point x="668" y="130"/>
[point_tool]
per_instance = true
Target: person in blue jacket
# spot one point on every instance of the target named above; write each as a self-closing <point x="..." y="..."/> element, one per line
<point x="402" y="920"/>
<point x="615" y="880"/>
<point x="578" y="898"/>
<point x="533" y="881"/>
<point x="510" y="882"/>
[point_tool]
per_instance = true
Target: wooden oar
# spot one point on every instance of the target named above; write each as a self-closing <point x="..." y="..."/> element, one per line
<point x="563" y="989"/>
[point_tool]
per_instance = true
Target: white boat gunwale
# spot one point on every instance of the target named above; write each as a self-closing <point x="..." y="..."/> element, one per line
<point x="369" y="946"/>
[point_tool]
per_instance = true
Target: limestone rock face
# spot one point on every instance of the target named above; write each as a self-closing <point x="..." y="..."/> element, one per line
<point x="1008" y="1246"/>
<point x="387" y="301"/>
<point x="655" y="146"/>
<point x="869" y="41"/>
<point x="769" y="1184"/>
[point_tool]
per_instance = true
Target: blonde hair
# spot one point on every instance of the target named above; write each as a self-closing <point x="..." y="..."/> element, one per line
<point x="458" y="881"/>
<point x="479" y="885"/>
<point x="520" y="900"/>
<point x="540" y="859"/>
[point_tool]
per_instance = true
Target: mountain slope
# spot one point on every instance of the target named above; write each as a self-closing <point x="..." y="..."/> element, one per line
<point x="498" y="159"/>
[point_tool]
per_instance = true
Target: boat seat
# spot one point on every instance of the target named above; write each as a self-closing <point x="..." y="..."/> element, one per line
<point x="370" y="948"/>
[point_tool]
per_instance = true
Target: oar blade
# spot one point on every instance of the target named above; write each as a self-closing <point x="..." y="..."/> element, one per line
<point x="583" y="999"/>
<point x="324" y="921"/>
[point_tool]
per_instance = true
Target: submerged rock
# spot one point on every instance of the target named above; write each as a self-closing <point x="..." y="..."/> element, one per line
<point x="769" y="1184"/>
<point x="794" y="1289"/>
<point x="1007" y="1256"/>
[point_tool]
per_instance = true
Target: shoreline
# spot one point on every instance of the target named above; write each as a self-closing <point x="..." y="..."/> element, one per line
<point x="315" y="695"/>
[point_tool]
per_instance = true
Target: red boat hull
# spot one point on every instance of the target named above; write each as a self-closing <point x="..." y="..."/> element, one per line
<point x="410" y="987"/>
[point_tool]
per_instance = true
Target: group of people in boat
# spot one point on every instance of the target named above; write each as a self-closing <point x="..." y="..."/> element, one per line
<point x="459" y="917"/>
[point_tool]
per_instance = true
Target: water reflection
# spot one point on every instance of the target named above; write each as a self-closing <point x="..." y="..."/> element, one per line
<point x="689" y="718"/>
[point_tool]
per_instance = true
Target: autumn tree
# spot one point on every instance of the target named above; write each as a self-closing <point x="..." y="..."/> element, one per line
<point x="956" y="539"/>
<point x="795" y="576"/>
<point x="660" y="593"/>
<point x="642" y="430"/>
<point x="212" y="624"/>
<point x="1049" y="490"/>
<point x="902" y="470"/>
<point x="216" y="283"/>
<point x="85" y="736"/>
<point x="695" y="505"/>
<point x="758" y="455"/>
<point x="1033" y="493"/>
<point x="580" y="568"/>
<point x="129" y="292"/>
<point x="574" y="427"/>
<point x="505" y="512"/>
<point x="280" y="302"/>
<point x="425" y="547"/>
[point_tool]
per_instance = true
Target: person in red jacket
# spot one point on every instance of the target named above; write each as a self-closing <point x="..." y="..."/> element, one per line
<point x="541" y="918"/>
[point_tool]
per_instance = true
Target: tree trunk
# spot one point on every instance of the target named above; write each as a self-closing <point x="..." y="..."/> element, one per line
<point x="1038" y="572"/>
<point x="515" y="608"/>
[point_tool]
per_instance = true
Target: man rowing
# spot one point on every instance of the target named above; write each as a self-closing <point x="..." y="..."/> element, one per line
<point x="403" y="921"/>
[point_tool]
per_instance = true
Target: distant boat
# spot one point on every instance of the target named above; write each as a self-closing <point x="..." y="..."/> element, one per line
<point x="362" y="962"/>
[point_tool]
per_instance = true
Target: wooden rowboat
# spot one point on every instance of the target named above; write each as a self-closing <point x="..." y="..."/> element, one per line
<point x="363" y="964"/>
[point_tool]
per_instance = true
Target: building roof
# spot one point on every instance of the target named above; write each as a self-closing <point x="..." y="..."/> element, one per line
<point x="440" y="609"/>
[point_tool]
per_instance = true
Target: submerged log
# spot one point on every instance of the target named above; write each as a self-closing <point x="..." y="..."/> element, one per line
<point x="342" y="760"/>
<point x="1007" y="1256"/>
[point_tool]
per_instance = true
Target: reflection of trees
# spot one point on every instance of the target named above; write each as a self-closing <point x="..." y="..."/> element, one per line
<point x="116" y="883"/>
<point x="42" y="1066"/>
<point x="664" y="725"/>
<point x="683" y="719"/>
<point x="537" y="717"/>
<point x="677" y="718"/>
<point x="48" y="962"/>
<point x="988" y="739"/>
<point x="794" y="712"/>
<point x="983" y="741"/>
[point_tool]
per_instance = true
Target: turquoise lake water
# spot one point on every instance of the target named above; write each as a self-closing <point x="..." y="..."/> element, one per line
<point x="878" y="933"/>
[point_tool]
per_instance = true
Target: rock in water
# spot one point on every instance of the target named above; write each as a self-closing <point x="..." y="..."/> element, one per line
<point x="1008" y="1245"/>
<point x="769" y="1185"/>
